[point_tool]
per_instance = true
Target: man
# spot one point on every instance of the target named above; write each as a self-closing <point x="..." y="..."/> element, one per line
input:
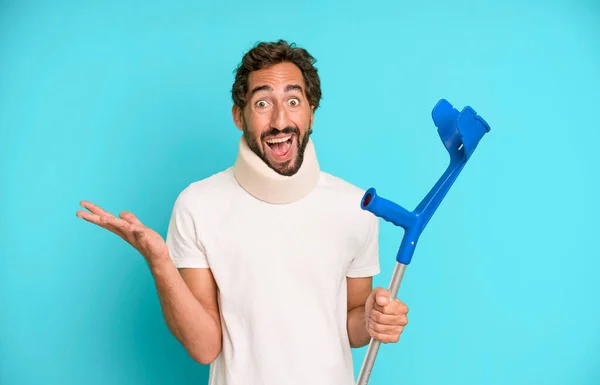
<point x="266" y="271"/>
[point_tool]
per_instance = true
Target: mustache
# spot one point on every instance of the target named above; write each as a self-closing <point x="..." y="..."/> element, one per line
<point x="275" y="131"/>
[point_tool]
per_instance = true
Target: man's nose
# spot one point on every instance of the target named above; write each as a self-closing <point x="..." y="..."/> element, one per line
<point x="279" y="118"/>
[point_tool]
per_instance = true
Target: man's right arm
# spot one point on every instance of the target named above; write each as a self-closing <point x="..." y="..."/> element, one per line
<point x="188" y="299"/>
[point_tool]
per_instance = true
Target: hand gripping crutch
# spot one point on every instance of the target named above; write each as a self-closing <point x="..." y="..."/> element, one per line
<point x="460" y="132"/>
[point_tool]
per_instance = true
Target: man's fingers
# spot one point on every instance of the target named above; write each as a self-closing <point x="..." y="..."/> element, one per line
<point x="106" y="221"/>
<point x="117" y="223"/>
<point x="385" y="329"/>
<point x="385" y="334"/>
<point x="101" y="217"/>
<point x="90" y="217"/>
<point x="382" y="296"/>
<point x="136" y="227"/>
<point x="388" y="319"/>
<point x="394" y="307"/>
<point x="94" y="208"/>
<point x="130" y="218"/>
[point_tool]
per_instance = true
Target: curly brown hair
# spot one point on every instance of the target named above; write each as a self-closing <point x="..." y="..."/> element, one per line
<point x="266" y="54"/>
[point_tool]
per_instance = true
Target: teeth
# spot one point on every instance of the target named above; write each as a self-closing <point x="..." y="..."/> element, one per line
<point x="272" y="141"/>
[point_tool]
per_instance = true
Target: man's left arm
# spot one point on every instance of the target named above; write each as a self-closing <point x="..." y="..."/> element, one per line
<point x="373" y="314"/>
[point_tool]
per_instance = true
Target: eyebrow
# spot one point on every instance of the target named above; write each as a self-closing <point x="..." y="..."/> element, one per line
<point x="289" y="87"/>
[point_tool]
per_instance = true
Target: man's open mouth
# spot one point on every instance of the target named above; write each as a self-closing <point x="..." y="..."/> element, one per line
<point x="280" y="146"/>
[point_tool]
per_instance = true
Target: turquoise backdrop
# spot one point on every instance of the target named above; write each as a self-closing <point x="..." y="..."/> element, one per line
<point x="125" y="103"/>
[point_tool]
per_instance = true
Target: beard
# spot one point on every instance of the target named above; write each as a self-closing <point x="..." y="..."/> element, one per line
<point x="290" y="167"/>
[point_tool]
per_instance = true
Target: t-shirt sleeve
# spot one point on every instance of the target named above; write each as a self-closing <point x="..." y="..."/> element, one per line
<point x="185" y="247"/>
<point x="366" y="261"/>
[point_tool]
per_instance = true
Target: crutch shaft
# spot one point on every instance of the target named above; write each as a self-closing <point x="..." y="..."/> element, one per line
<point x="369" y="361"/>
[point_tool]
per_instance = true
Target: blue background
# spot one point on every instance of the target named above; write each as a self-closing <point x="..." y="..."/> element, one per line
<point x="125" y="103"/>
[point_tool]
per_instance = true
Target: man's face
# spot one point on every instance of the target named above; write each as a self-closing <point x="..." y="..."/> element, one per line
<point x="277" y="119"/>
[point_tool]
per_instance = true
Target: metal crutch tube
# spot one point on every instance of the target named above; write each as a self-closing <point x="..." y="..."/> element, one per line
<point x="369" y="361"/>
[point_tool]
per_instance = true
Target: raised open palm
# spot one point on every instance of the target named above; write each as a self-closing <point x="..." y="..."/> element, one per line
<point x="147" y="241"/>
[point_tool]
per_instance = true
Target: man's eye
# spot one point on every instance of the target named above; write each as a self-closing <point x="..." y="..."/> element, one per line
<point x="261" y="103"/>
<point x="294" y="102"/>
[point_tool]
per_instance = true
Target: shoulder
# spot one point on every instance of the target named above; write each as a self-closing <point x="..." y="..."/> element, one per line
<point x="345" y="198"/>
<point x="341" y="190"/>
<point x="207" y="191"/>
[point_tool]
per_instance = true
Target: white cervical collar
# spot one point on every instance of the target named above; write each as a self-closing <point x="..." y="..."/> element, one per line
<point x="265" y="184"/>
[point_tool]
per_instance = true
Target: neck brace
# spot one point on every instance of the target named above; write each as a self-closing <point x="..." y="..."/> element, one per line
<point x="264" y="183"/>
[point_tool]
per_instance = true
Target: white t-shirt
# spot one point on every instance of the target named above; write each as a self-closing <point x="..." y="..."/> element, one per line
<point x="281" y="274"/>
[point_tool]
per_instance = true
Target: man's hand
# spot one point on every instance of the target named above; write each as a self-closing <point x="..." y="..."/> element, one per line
<point x="385" y="318"/>
<point x="147" y="241"/>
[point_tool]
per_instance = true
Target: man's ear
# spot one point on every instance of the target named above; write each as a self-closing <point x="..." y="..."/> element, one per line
<point x="238" y="117"/>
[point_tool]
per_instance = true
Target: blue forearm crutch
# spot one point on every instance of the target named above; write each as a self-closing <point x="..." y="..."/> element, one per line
<point x="460" y="132"/>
